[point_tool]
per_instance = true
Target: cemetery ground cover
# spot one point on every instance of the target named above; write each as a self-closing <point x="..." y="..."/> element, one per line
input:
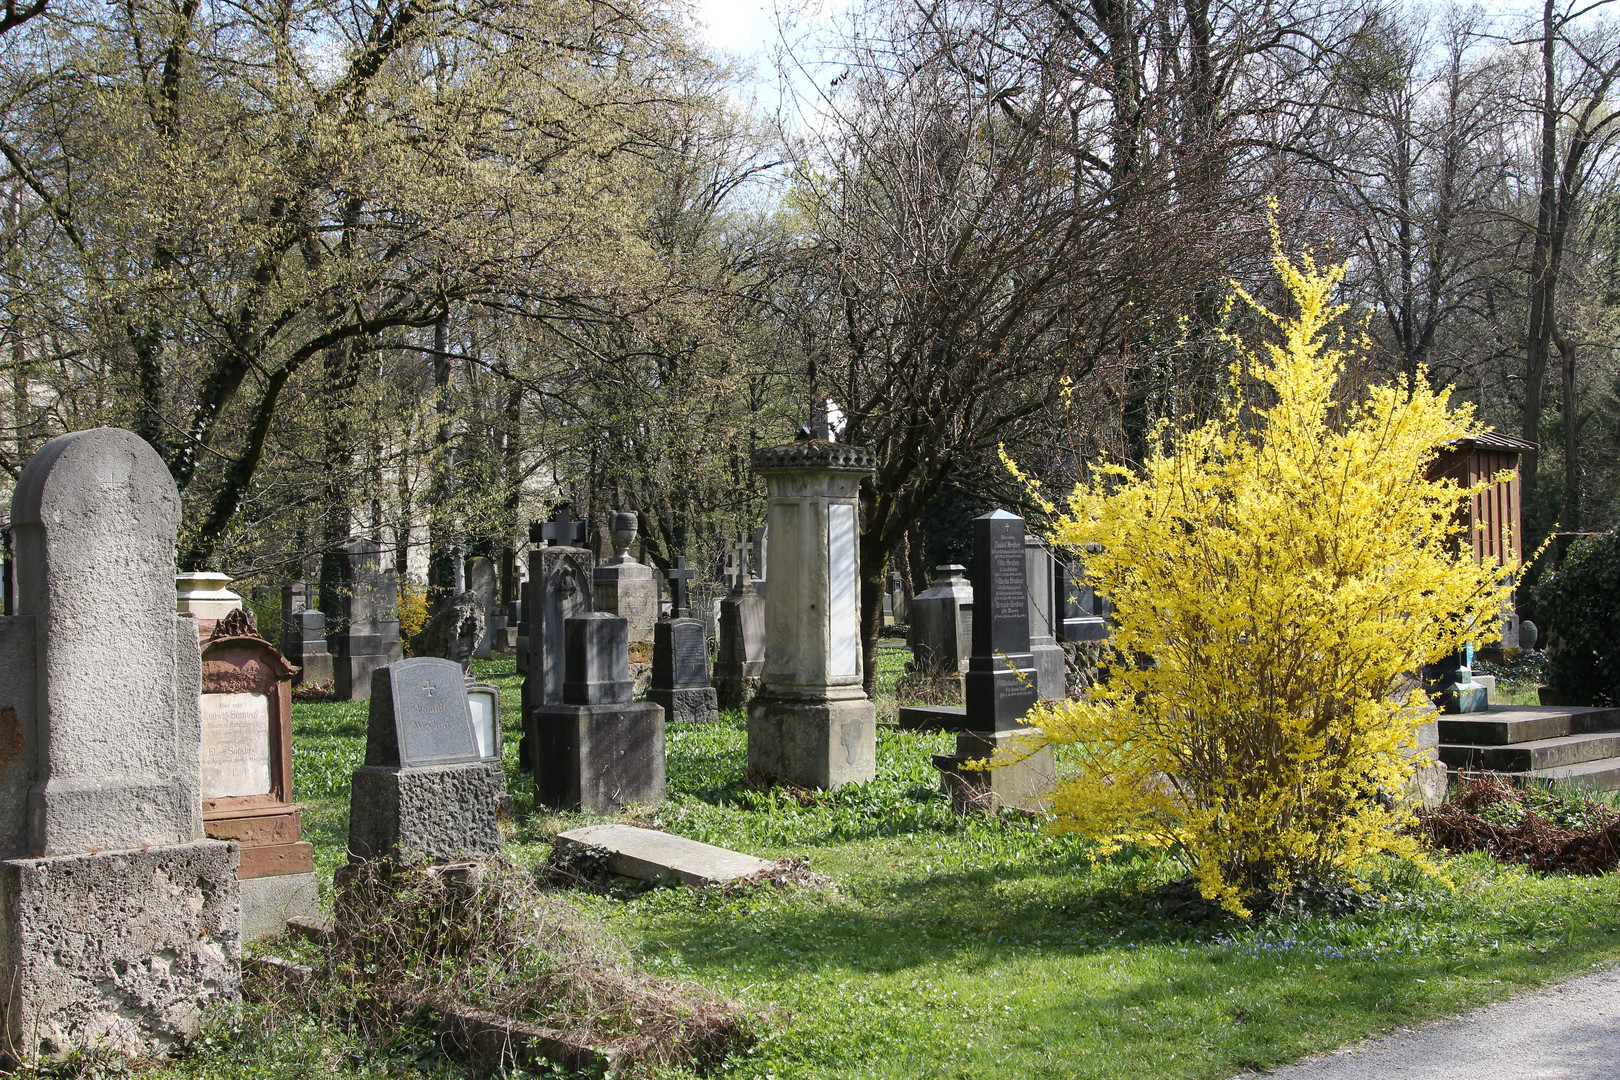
<point x="971" y="947"/>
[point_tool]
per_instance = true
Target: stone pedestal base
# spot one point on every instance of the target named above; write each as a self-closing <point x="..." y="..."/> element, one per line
<point x="425" y="812"/>
<point x="1463" y="698"/>
<point x="691" y="705"/>
<point x="1051" y="671"/>
<point x="1023" y="785"/>
<point x="822" y="744"/>
<point x="351" y="675"/>
<point x="314" y="670"/>
<point x="120" y="949"/>
<point x="598" y="757"/>
<point x="268" y="902"/>
<point x="734" y="691"/>
<point x="924" y="688"/>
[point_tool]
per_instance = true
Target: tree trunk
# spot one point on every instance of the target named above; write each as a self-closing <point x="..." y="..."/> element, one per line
<point x="441" y="582"/>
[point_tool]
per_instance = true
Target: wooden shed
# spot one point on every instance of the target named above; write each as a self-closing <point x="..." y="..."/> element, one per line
<point x="1494" y="517"/>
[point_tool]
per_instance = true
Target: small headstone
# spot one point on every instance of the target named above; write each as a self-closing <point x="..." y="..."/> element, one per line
<point x="560" y="587"/>
<point x="596" y="749"/>
<point x="680" y="673"/>
<point x="521" y="637"/>
<point x="1528" y="635"/>
<point x="626" y="587"/>
<point x="481" y="583"/>
<point x="425" y="790"/>
<point x="680" y="604"/>
<point x="899" y="599"/>
<point x="1083" y="608"/>
<point x="454" y="631"/>
<point x="648" y="855"/>
<point x="942" y="623"/>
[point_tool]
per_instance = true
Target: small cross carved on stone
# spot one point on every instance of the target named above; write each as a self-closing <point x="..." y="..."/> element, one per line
<point x="679" y="575"/>
<point x="428" y="688"/>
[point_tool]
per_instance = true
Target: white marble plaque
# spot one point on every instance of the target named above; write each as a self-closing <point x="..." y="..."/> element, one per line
<point x="843" y="617"/>
<point x="482" y="705"/>
<point x="235" y="745"/>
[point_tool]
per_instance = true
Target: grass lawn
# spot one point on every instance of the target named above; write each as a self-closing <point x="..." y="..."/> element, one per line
<point x="976" y="948"/>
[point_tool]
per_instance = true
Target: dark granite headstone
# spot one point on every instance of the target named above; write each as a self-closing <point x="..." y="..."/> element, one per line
<point x="597" y="666"/>
<point x="1000" y="682"/>
<point x="1079" y="604"/>
<point x="419" y="715"/>
<point x="680" y="605"/>
<point x="680" y="672"/>
<point x="362" y="618"/>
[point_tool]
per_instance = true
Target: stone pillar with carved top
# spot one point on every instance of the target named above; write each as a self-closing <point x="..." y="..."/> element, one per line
<point x="810" y="723"/>
<point x="118" y="918"/>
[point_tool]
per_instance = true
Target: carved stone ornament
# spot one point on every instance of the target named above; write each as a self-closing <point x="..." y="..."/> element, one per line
<point x="816" y="454"/>
<point x="237" y="623"/>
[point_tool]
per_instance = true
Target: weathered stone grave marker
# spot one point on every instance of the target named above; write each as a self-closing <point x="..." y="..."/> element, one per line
<point x="941" y="633"/>
<point x="811" y="723"/>
<point x="680" y="672"/>
<point x="425" y="790"/>
<point x="649" y="855"/>
<point x="120" y="920"/>
<point x="741" y="658"/>
<point x="1045" y="653"/>
<point x="561" y="586"/>
<point x="247" y="784"/>
<point x="597" y="749"/>
<point x="481" y="583"/>
<point x="303" y="637"/>
<point x="361" y="603"/>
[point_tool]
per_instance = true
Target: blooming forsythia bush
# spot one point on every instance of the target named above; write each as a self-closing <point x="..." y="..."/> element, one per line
<point x="1276" y="574"/>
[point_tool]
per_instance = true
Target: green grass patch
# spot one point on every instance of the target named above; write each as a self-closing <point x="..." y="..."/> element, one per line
<point x="981" y="948"/>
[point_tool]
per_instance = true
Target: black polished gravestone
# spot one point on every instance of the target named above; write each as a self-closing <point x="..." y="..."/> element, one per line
<point x="999" y="687"/>
<point x="597" y="749"/>
<point x="680" y="672"/>
<point x="424" y="792"/>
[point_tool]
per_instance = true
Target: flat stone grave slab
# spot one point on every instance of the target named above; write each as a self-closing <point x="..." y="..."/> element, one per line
<point x="649" y="855"/>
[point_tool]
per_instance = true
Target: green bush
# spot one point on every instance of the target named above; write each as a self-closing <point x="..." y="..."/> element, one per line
<point x="1579" y="605"/>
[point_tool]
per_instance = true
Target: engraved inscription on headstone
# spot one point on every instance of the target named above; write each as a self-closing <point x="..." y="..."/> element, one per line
<point x="235" y="745"/>
<point x="426" y="720"/>
<point x="843" y="637"/>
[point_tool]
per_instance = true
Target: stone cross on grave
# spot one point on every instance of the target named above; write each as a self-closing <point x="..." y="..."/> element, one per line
<point x="745" y="551"/>
<point x="680" y="605"/>
<point x="562" y="530"/>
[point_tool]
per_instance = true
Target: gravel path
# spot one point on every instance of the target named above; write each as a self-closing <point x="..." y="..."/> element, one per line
<point x="1565" y="1032"/>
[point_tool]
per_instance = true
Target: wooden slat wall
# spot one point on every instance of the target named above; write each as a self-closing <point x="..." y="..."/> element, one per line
<point x="1496" y="509"/>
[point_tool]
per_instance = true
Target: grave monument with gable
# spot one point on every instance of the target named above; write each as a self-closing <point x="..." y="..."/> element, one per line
<point x="118" y="918"/>
<point x="247" y="787"/>
<point x="427" y="790"/>
<point x="810" y="723"/>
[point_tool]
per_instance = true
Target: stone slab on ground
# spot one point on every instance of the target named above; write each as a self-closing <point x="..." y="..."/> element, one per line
<point x="1567" y="1031"/>
<point x="649" y="855"/>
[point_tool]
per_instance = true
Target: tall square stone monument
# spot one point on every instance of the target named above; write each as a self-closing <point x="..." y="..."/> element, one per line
<point x="118" y="919"/>
<point x="625" y="587"/>
<point x="361" y="604"/>
<point x="810" y="723"/>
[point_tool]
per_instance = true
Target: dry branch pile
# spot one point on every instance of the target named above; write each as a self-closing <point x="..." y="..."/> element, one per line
<point x="1541" y="829"/>
<point x="502" y="972"/>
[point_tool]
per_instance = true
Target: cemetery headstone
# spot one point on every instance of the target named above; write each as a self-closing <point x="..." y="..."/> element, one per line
<point x="942" y="623"/>
<point x="680" y="672"/>
<point x="761" y="549"/>
<point x="361" y="604"/>
<point x="596" y="749"/>
<point x="425" y="792"/>
<point x="481" y="583"/>
<point x="247" y="785"/>
<point x="1000" y="684"/>
<point x="1045" y="652"/>
<point x="1529" y="634"/>
<point x="561" y="586"/>
<point x="120" y="919"/>
<point x="741" y="659"/>
<point x="625" y="587"/>
<point x="1081" y="628"/>
<point x="206" y="597"/>
<point x="521" y="637"/>
<point x="899" y="599"/>
<point x="454" y="631"/>
<point x="680" y="596"/>
<point x="1450" y="683"/>
<point x="810" y="723"/>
